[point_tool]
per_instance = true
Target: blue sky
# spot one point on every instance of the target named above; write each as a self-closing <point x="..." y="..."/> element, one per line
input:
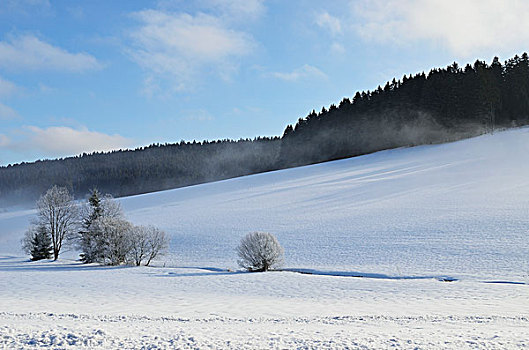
<point x="82" y="76"/>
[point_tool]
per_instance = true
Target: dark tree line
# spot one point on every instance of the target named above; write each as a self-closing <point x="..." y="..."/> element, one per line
<point x="444" y="105"/>
<point x="147" y="169"/>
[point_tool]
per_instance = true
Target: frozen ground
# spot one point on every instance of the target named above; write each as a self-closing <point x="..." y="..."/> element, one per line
<point x="64" y="304"/>
<point x="404" y="219"/>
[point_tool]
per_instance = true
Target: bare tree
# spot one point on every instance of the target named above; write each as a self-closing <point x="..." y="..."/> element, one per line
<point x="57" y="213"/>
<point x="157" y="242"/>
<point x="139" y="245"/>
<point x="259" y="251"/>
<point x="147" y="243"/>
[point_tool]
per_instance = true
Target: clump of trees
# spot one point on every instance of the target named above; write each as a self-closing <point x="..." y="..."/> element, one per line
<point x="99" y="217"/>
<point x="259" y="251"/>
<point x="108" y="238"/>
<point x="97" y="228"/>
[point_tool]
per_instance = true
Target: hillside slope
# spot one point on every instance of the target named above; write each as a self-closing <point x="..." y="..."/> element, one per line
<point x="406" y="220"/>
<point x="458" y="209"/>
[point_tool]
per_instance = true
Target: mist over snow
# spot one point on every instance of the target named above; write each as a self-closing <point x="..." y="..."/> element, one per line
<point x="457" y="209"/>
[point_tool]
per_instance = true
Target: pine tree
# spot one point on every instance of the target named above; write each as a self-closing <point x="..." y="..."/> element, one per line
<point x="95" y="204"/>
<point x="41" y="244"/>
<point x="86" y="238"/>
<point x="90" y="242"/>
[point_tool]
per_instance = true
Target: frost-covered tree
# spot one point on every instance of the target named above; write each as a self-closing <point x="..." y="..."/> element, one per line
<point x="89" y="213"/>
<point x="157" y="243"/>
<point x="113" y="239"/>
<point x="57" y="213"/>
<point x="259" y="251"/>
<point x="139" y="246"/>
<point x="89" y="243"/>
<point x="107" y="238"/>
<point x="37" y="243"/>
<point x="147" y="242"/>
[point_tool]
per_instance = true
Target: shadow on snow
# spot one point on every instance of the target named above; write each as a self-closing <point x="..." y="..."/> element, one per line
<point x="368" y="275"/>
<point x="12" y="264"/>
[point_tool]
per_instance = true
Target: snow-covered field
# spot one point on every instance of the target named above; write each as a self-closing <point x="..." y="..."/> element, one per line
<point x="406" y="220"/>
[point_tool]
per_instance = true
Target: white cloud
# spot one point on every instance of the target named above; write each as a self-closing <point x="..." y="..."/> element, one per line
<point x="183" y="46"/>
<point x="29" y="52"/>
<point x="330" y="23"/>
<point x="304" y="72"/>
<point x="464" y="27"/>
<point x="59" y="141"/>
<point x="7" y="112"/>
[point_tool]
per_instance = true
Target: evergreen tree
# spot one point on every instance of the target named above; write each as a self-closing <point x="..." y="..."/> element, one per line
<point x="41" y="243"/>
<point x="95" y="203"/>
<point x="91" y="243"/>
<point x="37" y="243"/>
<point x="87" y="240"/>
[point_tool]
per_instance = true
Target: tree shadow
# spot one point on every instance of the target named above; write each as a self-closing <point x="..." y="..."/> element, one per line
<point x="7" y="257"/>
<point x="356" y="274"/>
<point x="12" y="264"/>
<point x="506" y="282"/>
<point x="203" y="271"/>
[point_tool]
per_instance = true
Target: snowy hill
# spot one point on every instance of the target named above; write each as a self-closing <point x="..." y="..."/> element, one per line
<point x="404" y="219"/>
<point x="458" y="209"/>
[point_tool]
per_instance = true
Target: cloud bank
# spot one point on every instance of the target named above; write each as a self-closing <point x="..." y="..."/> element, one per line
<point x="465" y="28"/>
<point x="178" y="47"/>
<point x="27" y="52"/>
<point x="60" y="141"/>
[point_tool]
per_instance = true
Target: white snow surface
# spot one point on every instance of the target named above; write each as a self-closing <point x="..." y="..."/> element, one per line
<point x="370" y="245"/>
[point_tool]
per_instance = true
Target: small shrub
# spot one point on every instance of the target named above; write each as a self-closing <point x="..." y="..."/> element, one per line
<point x="259" y="251"/>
